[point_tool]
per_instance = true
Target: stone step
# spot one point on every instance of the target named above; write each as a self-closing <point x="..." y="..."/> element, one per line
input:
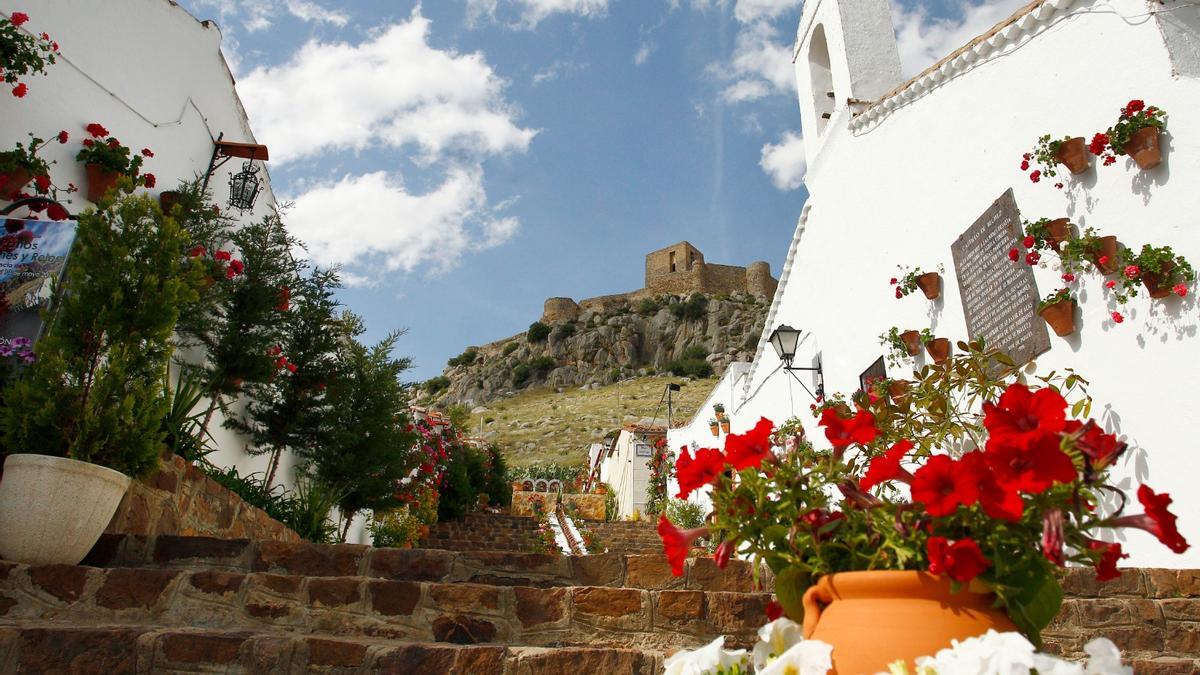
<point x="647" y="572"/>
<point x="460" y="613"/>
<point x="51" y="648"/>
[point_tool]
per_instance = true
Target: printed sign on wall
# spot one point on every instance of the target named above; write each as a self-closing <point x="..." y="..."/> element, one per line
<point x="30" y="259"/>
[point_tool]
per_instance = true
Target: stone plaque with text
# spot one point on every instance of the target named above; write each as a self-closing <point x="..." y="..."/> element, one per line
<point x="999" y="297"/>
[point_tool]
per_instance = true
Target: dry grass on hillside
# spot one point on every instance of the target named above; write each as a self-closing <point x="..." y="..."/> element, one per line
<point x="544" y="426"/>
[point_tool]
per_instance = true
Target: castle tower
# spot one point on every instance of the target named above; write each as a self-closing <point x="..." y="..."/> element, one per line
<point x="759" y="281"/>
<point x="681" y="257"/>
<point x="846" y="49"/>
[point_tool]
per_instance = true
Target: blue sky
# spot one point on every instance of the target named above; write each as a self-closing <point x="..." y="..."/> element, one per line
<point x="462" y="160"/>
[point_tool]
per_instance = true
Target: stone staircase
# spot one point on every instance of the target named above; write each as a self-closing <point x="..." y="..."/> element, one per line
<point x="194" y="604"/>
<point x="628" y="536"/>
<point x="483" y="532"/>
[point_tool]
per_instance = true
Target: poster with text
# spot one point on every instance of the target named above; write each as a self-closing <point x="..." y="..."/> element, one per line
<point x="31" y="256"/>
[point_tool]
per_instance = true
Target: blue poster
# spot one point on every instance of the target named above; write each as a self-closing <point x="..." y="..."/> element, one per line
<point x="30" y="257"/>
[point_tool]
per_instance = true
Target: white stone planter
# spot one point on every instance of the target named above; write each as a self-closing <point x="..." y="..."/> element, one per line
<point x="53" y="509"/>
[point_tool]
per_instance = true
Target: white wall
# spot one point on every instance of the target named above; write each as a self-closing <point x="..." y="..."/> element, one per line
<point x="902" y="188"/>
<point x="628" y="474"/>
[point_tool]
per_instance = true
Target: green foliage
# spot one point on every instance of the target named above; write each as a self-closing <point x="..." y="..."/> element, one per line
<point x="469" y="356"/>
<point x="611" y="508"/>
<point x="465" y="478"/>
<point x="684" y="514"/>
<point x="692" y="308"/>
<point x="460" y="416"/>
<point x="532" y="370"/>
<point x="566" y="473"/>
<point x="897" y="349"/>
<point x="183" y="424"/>
<point x="1045" y="153"/>
<point x="691" y="363"/>
<point x="649" y="306"/>
<point x="395" y="529"/>
<point x="510" y="348"/>
<point x="23" y="52"/>
<point x="436" y="385"/>
<point x="496" y="484"/>
<point x="312" y="500"/>
<point x="538" y="332"/>
<point x="276" y="501"/>
<point x="564" y="331"/>
<point x="1061" y="295"/>
<point x="1131" y="121"/>
<point x="94" y="394"/>
<point x="24" y="156"/>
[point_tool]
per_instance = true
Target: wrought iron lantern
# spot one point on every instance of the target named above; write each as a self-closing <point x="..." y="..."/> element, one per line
<point x="785" y="339"/>
<point x="244" y="187"/>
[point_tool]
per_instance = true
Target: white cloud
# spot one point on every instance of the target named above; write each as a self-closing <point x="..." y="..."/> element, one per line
<point x="533" y="12"/>
<point x="643" y="53"/>
<point x="923" y="40"/>
<point x="393" y="89"/>
<point x="785" y="161"/>
<point x="556" y="70"/>
<point x="256" y="15"/>
<point x="747" y="11"/>
<point x="311" y="11"/>
<point x="373" y="224"/>
<point x="761" y="64"/>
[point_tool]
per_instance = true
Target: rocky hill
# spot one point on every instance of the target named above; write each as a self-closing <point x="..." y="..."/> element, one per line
<point x="696" y="336"/>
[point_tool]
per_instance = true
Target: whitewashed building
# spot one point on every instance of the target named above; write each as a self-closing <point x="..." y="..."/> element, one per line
<point x="898" y="170"/>
<point x="626" y="466"/>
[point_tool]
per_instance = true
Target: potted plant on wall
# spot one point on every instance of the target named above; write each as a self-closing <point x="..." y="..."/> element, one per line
<point x="1058" y="310"/>
<point x="107" y="160"/>
<point x="910" y="280"/>
<point x="1048" y="153"/>
<point x="90" y="412"/>
<point x="719" y="410"/>
<point x="715" y="426"/>
<point x="1090" y="247"/>
<point x="887" y="511"/>
<point x="903" y="345"/>
<point x="1159" y="269"/>
<point x="21" y="165"/>
<point x="23" y="53"/>
<point x="1047" y="233"/>
<point x="938" y="349"/>
<point x="1135" y="134"/>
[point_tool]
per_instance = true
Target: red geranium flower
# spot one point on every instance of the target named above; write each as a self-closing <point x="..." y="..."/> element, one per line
<point x="1020" y="417"/>
<point x="1068" y="277"/>
<point x="724" y="551"/>
<point x="146" y="152"/>
<point x="1013" y="254"/>
<point x="96" y="130"/>
<point x="1032" y="257"/>
<point x="18" y="18"/>
<point x="749" y="449"/>
<point x="961" y="560"/>
<point x="63" y="136"/>
<point x="943" y="484"/>
<point x="1117" y="317"/>
<point x="1098" y="144"/>
<point x="222" y="255"/>
<point x="1180" y="290"/>
<point x="1132" y="271"/>
<point x="42" y="182"/>
<point x="894" y="281"/>
<point x="56" y="211"/>
<point x="1035" y="176"/>
<point x="1110" y="159"/>
<point x="677" y="542"/>
<point x="694" y="474"/>
<point x="1110" y="284"/>
<point x="20" y="90"/>
<point x="899" y="294"/>
<point x="887" y="466"/>
<point x="1106" y="565"/>
<point x="149" y="180"/>
<point x="1157" y="520"/>
<point x="1024" y="165"/>
<point x="1029" y="241"/>
<point x="1135" y="106"/>
<point x="842" y="431"/>
<point x="196" y="251"/>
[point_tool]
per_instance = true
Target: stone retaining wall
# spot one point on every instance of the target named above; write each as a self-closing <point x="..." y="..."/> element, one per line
<point x="180" y="499"/>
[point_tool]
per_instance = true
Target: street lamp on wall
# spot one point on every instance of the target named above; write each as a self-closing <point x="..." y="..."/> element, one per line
<point x="245" y="185"/>
<point x="785" y="339"/>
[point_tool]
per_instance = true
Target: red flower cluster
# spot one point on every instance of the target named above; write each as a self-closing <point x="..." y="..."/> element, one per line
<point x="1117" y="317"/>
<point x="742" y="451"/>
<point x="961" y="560"/>
<point x="887" y="466"/>
<point x="20" y="90"/>
<point x="1133" y="107"/>
<point x="96" y="130"/>
<point x="1068" y="277"/>
<point x="63" y="136"/>
<point x="677" y="543"/>
<point x="1099" y="144"/>
<point x="1180" y="290"/>
<point x="843" y="431"/>
<point x="18" y="18"/>
<point x="1132" y="272"/>
<point x="694" y="474"/>
<point x="1013" y="254"/>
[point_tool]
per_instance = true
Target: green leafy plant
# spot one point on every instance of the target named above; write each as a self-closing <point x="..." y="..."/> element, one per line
<point x="692" y="362"/>
<point x="906" y="282"/>
<point x="23" y="53"/>
<point x="691" y="309"/>
<point x="105" y="151"/>
<point x="510" y="348"/>
<point x="1061" y="295"/>
<point x="94" y="392"/>
<point x="312" y="502"/>
<point x="564" y="331"/>
<point x="662" y="464"/>
<point x="1159" y="265"/>
<point x="399" y="528"/>
<point x="897" y="349"/>
<point x="183" y="424"/>
<point x="1080" y="253"/>
<point x="1136" y="115"/>
<point x="1040" y="232"/>
<point x="24" y="156"/>
<point x="1045" y="155"/>
<point x="532" y="370"/>
<point x="538" y="332"/>
<point x="469" y="356"/>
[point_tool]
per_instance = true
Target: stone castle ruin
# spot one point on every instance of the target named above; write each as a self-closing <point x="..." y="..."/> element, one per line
<point x="678" y="269"/>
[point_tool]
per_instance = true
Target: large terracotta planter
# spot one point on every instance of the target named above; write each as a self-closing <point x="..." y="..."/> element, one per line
<point x="1073" y="154"/>
<point x="53" y="509"/>
<point x="100" y="181"/>
<point x="1060" y="316"/>
<point x="875" y="618"/>
<point x="1059" y="230"/>
<point x="939" y="349"/>
<point x="1158" y="285"/>
<point x="930" y="284"/>
<point x="912" y="342"/>
<point x="1106" y="248"/>
<point x="18" y="178"/>
<point x="1143" y="148"/>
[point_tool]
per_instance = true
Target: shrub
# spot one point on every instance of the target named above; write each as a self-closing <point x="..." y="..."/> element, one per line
<point x="394" y="529"/>
<point x="464" y="479"/>
<point x="464" y="359"/>
<point x="567" y="473"/>
<point x="691" y="363"/>
<point x="510" y="348"/>
<point x="532" y="370"/>
<point x="685" y="514"/>
<point x="564" y="331"/>
<point x="648" y="307"/>
<point x="497" y="485"/>
<point x="538" y="332"/>
<point x="693" y="308"/>
<point x="611" y="509"/>
<point x="436" y="385"/>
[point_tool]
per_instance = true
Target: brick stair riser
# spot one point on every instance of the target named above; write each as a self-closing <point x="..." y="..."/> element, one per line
<point x="648" y="572"/>
<point x="398" y="610"/>
<point x="58" y="649"/>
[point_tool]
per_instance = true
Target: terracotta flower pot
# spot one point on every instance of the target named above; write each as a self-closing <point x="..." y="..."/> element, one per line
<point x="725" y="426"/>
<point x="898" y="389"/>
<point x="1158" y="285"/>
<point x="16" y="181"/>
<point x="720" y="415"/>
<point x="930" y="284"/>
<point x="100" y="181"/>
<point x="1143" y="148"/>
<point x="168" y="199"/>
<point x="601" y="489"/>
<point x="1106" y="248"/>
<point x="1060" y="316"/>
<point x="875" y="618"/>
<point x="1073" y="154"/>
<point x="716" y="429"/>
<point x="912" y="342"/>
<point x="939" y="349"/>
<point x="1059" y="230"/>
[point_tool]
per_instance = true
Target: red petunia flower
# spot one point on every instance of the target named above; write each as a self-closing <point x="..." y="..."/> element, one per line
<point x="1180" y="290"/>
<point x="1029" y="241"/>
<point x="721" y="556"/>
<point x="961" y="560"/>
<point x="694" y="474"/>
<point x="1117" y="317"/>
<point x="1032" y="258"/>
<point x="1098" y="144"/>
<point x="942" y="485"/>
<point x="96" y="130"/>
<point x="774" y="610"/>
<point x="18" y="18"/>
<point x="998" y="500"/>
<point x="1106" y="565"/>
<point x="1014" y="254"/>
<point x="1098" y="448"/>
<point x="677" y="542"/>
<point x="751" y="448"/>
<point x="842" y="431"/>
<point x="1052" y="537"/>
<point x="1021" y="416"/>
<point x="63" y="136"/>
<point x="887" y="466"/>
<point x="1031" y="469"/>
<point x="20" y="90"/>
<point x="222" y="255"/>
<point x="1157" y="520"/>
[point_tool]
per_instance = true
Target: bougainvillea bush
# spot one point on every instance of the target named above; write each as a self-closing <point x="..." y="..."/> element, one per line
<point x="979" y="473"/>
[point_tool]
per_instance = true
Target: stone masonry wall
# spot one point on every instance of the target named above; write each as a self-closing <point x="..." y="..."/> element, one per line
<point x="179" y="499"/>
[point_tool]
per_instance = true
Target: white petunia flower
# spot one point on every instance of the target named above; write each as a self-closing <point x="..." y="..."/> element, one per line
<point x="774" y="639"/>
<point x="706" y="660"/>
<point x="989" y="654"/>
<point x="808" y="657"/>
<point x="1104" y="658"/>
<point x="1052" y="665"/>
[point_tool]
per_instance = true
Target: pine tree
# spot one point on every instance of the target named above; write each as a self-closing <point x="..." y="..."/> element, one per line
<point x="94" y="393"/>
